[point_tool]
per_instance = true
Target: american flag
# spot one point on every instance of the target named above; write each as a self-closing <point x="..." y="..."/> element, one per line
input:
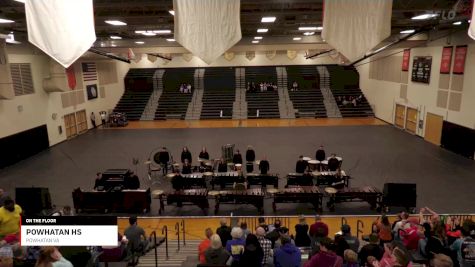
<point x="89" y="71"/>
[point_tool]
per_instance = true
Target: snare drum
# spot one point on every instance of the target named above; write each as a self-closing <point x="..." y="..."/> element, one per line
<point x="230" y="166"/>
<point x="238" y="167"/>
<point x="307" y="158"/>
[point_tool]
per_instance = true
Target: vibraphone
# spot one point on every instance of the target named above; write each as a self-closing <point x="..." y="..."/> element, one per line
<point x="298" y="179"/>
<point x="226" y="178"/>
<point x="198" y="197"/>
<point x="193" y="180"/>
<point x="253" y="196"/>
<point x="330" y="177"/>
<point x="262" y="179"/>
<point x="299" y="194"/>
<point x="369" y="194"/>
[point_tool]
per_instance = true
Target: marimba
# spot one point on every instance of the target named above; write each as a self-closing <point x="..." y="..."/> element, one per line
<point x="226" y="178"/>
<point x="328" y="178"/>
<point x="262" y="179"/>
<point x="253" y="197"/>
<point x="198" y="197"/>
<point x="299" y="194"/>
<point x="193" y="180"/>
<point x="298" y="179"/>
<point x="369" y="194"/>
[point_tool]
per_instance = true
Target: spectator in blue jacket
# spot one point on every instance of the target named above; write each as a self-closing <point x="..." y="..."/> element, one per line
<point x="288" y="255"/>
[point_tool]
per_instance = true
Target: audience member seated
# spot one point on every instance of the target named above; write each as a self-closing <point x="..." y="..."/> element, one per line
<point x="186" y="154"/>
<point x="99" y="182"/>
<point x="222" y="166"/>
<point x="333" y="163"/>
<point x="266" y="246"/>
<point x="301" y="165"/>
<point x="138" y="241"/>
<point x="132" y="182"/>
<point x="372" y="249"/>
<point x="326" y="256"/>
<point x="204" y="154"/>
<point x="393" y="256"/>
<point x="237" y="158"/>
<point x="264" y="165"/>
<point x="287" y="254"/>
<point x="253" y="253"/>
<point x="236" y="245"/>
<point x="216" y="254"/>
<point x="51" y="257"/>
<point x="350" y="258"/>
<point x="224" y="231"/>
<point x="117" y="253"/>
<point x="9" y="217"/>
<point x="351" y="240"/>
<point x="320" y="154"/>
<point x="301" y="233"/>
<point x="295" y="86"/>
<point x="204" y="245"/>
<point x="186" y="169"/>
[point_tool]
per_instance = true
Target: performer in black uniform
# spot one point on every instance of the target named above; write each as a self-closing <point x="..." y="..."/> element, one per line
<point x="99" y="182"/>
<point x="250" y="158"/>
<point x="186" y="167"/>
<point x="177" y="184"/>
<point x="164" y="159"/>
<point x="186" y="154"/>
<point x="237" y="158"/>
<point x="264" y="166"/>
<point x="301" y="165"/>
<point x="222" y="166"/>
<point x="320" y="154"/>
<point x="132" y="181"/>
<point x="204" y="154"/>
<point x="306" y="179"/>
<point x="333" y="163"/>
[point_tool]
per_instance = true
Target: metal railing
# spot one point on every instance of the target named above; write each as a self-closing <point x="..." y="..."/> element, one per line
<point x="182" y="224"/>
<point x="154" y="235"/>
<point x="177" y="233"/>
<point x="165" y="232"/>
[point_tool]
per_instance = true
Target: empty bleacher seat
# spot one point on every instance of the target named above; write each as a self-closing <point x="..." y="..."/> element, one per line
<point x="219" y="93"/>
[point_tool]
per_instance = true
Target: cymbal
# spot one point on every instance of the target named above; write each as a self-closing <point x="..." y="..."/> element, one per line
<point x="307" y="158"/>
<point x="157" y="193"/>
<point x="316" y="173"/>
<point x="257" y="162"/>
<point x="213" y="193"/>
<point x="312" y="161"/>
<point x="272" y="190"/>
<point x="170" y="175"/>
<point x="238" y="165"/>
<point x="176" y="164"/>
<point x="230" y="164"/>
<point x="208" y="163"/>
<point x="330" y="190"/>
<point x="148" y="162"/>
<point x="208" y="174"/>
<point x="223" y="192"/>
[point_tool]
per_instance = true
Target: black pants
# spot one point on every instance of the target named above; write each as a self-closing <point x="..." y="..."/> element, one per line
<point x="93" y="123"/>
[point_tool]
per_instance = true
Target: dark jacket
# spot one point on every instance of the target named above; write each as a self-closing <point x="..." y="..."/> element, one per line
<point x="333" y="164"/>
<point x="224" y="233"/>
<point x="237" y="159"/>
<point x="370" y="250"/>
<point x="301" y="166"/>
<point x="186" y="155"/>
<point x="203" y="155"/>
<point x="216" y="256"/>
<point x="287" y="256"/>
<point x="301" y="237"/>
<point x="163" y="157"/>
<point x="264" y="166"/>
<point x="252" y="256"/>
<point x="320" y="155"/>
<point x="250" y="155"/>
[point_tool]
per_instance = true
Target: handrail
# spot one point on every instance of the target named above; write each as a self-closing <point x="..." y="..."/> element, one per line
<point x="343" y="221"/>
<point x="183" y="232"/>
<point x="154" y="235"/>
<point x="358" y="229"/>
<point x="165" y="232"/>
<point x="177" y="230"/>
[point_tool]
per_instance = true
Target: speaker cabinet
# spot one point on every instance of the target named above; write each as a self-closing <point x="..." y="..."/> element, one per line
<point x="400" y="195"/>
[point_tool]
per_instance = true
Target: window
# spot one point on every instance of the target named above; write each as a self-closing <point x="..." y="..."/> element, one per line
<point x="21" y="77"/>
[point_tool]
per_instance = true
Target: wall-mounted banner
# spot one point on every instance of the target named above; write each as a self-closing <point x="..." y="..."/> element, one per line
<point x="229" y="56"/>
<point x="71" y="74"/>
<point x="405" y="59"/>
<point x="152" y="58"/>
<point x="421" y="67"/>
<point x="250" y="55"/>
<point x="187" y="56"/>
<point x="446" y="60"/>
<point x="291" y="54"/>
<point x="271" y="54"/>
<point x="459" y="61"/>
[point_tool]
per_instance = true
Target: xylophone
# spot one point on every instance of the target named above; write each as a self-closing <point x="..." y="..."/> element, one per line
<point x="193" y="180"/>
<point x="198" y="197"/>
<point x="226" y="178"/>
<point x="328" y="178"/>
<point x="262" y="179"/>
<point x="369" y="194"/>
<point x="298" y="179"/>
<point x="253" y="196"/>
<point x="299" y="194"/>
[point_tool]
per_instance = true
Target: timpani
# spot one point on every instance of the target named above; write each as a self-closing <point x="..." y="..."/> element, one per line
<point x="313" y="164"/>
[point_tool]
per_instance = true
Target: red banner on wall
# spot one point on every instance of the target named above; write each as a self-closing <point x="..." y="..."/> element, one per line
<point x="446" y="59"/>
<point x="459" y="61"/>
<point x="71" y="77"/>
<point x="405" y="59"/>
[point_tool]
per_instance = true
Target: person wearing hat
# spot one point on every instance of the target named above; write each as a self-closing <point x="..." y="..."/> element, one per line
<point x="371" y="249"/>
<point x="351" y="240"/>
<point x="216" y="254"/>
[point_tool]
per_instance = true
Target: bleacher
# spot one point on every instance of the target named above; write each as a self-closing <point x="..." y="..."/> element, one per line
<point x="138" y="88"/>
<point x="173" y="104"/>
<point x="308" y="100"/>
<point x="266" y="102"/>
<point x="219" y="93"/>
<point x="344" y="82"/>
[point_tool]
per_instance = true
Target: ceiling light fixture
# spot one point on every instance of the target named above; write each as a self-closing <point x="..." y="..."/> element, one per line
<point x="407" y="31"/>
<point x="11" y="39"/>
<point x="308" y="28"/>
<point x="308" y="33"/>
<point x="149" y="33"/>
<point x="6" y="21"/>
<point x="258" y="37"/>
<point x="268" y="19"/>
<point x="113" y="45"/>
<point x="115" y="22"/>
<point x="457" y="23"/>
<point x="424" y="16"/>
<point x="171" y="40"/>
<point x="320" y="28"/>
<point x="172" y="12"/>
<point x="115" y="37"/>
<point x="297" y="38"/>
<point x="21" y="1"/>
<point x="162" y="31"/>
<point x="139" y="42"/>
<point x="255" y="42"/>
<point x="262" y="30"/>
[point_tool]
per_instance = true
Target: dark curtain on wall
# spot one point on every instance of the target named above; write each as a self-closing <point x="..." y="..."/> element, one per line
<point x="22" y="145"/>
<point x="458" y="139"/>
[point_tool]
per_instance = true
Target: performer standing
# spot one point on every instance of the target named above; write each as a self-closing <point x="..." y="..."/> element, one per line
<point x="222" y="166"/>
<point x="301" y="165"/>
<point x="320" y="154"/>
<point x="250" y="158"/>
<point x="186" y="167"/>
<point x="333" y="163"/>
<point x="237" y="158"/>
<point x="264" y="165"/>
<point x="163" y="159"/>
<point x="204" y="154"/>
<point x="186" y="154"/>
